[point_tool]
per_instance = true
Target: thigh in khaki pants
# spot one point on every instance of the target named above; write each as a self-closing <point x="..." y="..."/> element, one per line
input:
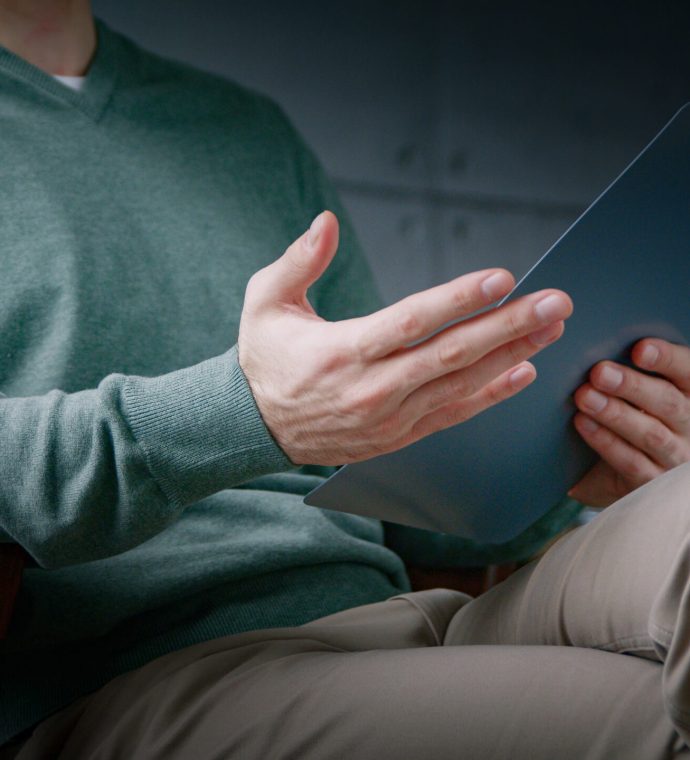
<point x="622" y="584"/>
<point x="541" y="667"/>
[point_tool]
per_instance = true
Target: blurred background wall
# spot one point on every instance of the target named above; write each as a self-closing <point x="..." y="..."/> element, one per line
<point x="460" y="134"/>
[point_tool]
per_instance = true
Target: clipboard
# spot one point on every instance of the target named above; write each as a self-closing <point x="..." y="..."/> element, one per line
<point x="625" y="262"/>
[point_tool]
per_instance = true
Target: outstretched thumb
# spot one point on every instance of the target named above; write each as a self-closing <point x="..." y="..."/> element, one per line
<point x="289" y="277"/>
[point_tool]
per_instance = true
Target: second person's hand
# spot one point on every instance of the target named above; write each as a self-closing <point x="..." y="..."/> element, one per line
<point x="639" y="424"/>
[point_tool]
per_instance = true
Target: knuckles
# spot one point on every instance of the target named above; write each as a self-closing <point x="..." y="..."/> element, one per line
<point x="366" y="416"/>
<point x="419" y="371"/>
<point x="674" y="406"/>
<point x="450" y="390"/>
<point x="658" y="438"/>
<point x="408" y="327"/>
<point x="365" y="348"/>
<point x="453" y="352"/>
<point x="330" y="361"/>
<point x="462" y="301"/>
<point x="365" y="406"/>
<point x="494" y="393"/>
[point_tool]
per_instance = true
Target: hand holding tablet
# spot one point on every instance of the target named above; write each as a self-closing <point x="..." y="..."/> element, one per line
<point x="626" y="265"/>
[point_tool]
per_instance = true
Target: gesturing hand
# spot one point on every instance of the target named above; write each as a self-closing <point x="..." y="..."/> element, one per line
<point x="637" y="423"/>
<point x="339" y="392"/>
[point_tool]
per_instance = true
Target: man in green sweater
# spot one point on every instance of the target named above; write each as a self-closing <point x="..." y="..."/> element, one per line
<point x="150" y="470"/>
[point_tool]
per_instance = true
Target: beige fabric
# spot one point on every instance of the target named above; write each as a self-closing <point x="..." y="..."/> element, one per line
<point x="534" y="669"/>
<point x="371" y="683"/>
<point x="621" y="585"/>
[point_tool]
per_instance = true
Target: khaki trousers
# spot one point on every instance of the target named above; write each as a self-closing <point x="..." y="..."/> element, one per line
<point x="583" y="654"/>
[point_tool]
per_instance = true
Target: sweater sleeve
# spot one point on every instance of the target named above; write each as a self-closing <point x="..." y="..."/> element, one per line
<point x="94" y="473"/>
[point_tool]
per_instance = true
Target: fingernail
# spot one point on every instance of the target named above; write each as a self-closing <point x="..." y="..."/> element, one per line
<point x="546" y="335"/>
<point x="649" y="356"/>
<point x="588" y="425"/>
<point x="315" y="231"/>
<point x="553" y="308"/>
<point x="594" y="401"/>
<point x="496" y="285"/>
<point x="519" y="377"/>
<point x="610" y="378"/>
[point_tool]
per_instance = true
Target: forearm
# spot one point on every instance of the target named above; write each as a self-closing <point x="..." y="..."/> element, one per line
<point x="91" y="474"/>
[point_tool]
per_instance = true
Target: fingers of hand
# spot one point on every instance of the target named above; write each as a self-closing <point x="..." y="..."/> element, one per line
<point x="461" y="345"/>
<point x="643" y="432"/>
<point x="462" y="384"/>
<point x="503" y="387"/>
<point x="421" y="314"/>
<point x="639" y="425"/>
<point x="670" y="360"/>
<point x="655" y="395"/>
<point x="627" y="460"/>
<point x="287" y="279"/>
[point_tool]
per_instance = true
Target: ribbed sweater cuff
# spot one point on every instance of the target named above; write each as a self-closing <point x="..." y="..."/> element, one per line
<point x="200" y="429"/>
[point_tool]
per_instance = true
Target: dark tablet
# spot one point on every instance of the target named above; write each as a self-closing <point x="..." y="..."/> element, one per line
<point x="626" y="264"/>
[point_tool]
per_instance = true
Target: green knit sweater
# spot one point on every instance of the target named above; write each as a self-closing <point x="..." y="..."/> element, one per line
<point x="134" y="465"/>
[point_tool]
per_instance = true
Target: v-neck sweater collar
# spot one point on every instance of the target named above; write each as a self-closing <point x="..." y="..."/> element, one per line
<point x="93" y="97"/>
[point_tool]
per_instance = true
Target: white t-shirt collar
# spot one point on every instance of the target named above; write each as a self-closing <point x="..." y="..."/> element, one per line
<point x="76" y="83"/>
